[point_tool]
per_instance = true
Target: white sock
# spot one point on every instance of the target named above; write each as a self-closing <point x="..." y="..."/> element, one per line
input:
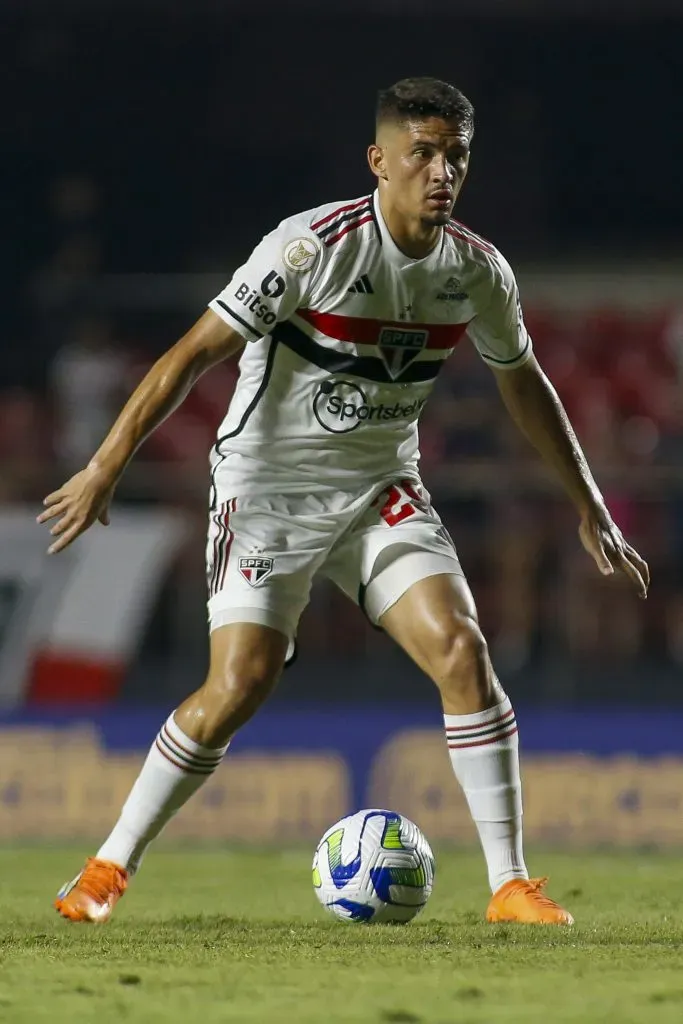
<point x="484" y="751"/>
<point x="175" y="768"/>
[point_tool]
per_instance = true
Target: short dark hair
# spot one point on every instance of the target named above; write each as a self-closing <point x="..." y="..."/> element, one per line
<point x="415" y="98"/>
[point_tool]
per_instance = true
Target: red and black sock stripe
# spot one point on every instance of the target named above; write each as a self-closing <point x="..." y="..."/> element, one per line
<point x="500" y="727"/>
<point x="180" y="756"/>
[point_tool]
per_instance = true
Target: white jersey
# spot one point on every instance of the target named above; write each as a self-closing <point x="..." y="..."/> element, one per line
<point x="345" y="338"/>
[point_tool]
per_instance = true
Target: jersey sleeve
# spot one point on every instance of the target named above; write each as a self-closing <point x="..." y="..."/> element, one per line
<point x="498" y="331"/>
<point x="277" y="278"/>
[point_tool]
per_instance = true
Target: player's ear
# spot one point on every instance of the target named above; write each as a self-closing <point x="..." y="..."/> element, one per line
<point x="377" y="161"/>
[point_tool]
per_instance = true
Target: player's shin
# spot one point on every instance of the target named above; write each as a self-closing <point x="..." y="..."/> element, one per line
<point x="175" y="768"/>
<point x="484" y="752"/>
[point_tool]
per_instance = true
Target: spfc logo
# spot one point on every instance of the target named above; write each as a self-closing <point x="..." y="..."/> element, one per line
<point x="255" y="569"/>
<point x="400" y="346"/>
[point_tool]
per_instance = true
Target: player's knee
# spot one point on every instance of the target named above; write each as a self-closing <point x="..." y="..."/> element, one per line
<point x="461" y="661"/>
<point x="235" y="689"/>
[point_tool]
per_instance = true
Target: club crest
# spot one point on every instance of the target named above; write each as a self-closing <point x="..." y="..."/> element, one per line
<point x="399" y="346"/>
<point x="255" y="569"/>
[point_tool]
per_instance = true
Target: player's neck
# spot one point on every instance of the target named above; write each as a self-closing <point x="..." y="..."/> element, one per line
<point x="412" y="236"/>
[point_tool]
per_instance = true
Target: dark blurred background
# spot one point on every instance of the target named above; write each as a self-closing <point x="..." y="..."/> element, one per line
<point x="145" y="150"/>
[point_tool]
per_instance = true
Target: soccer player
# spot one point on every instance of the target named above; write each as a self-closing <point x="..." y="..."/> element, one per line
<point x="343" y="317"/>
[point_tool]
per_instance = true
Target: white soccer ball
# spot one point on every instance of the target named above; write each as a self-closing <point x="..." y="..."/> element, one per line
<point x="373" y="866"/>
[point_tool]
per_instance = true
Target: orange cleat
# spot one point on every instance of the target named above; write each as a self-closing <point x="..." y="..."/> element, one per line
<point x="91" y="896"/>
<point x="522" y="900"/>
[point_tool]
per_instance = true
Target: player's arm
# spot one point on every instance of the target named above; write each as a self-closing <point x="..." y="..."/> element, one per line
<point x="502" y="340"/>
<point x="537" y="410"/>
<point x="85" y="498"/>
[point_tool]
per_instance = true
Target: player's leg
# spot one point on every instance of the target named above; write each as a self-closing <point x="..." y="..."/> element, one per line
<point x="260" y="563"/>
<point x="403" y="563"/>
<point x="435" y="622"/>
<point x="245" y="663"/>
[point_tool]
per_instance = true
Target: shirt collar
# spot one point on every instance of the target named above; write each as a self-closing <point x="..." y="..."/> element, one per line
<point x="392" y="251"/>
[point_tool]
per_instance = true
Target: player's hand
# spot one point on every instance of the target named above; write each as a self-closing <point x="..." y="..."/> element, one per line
<point x="77" y="505"/>
<point x="603" y="539"/>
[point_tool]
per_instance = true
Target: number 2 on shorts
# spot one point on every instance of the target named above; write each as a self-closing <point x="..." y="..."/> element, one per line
<point x="398" y="503"/>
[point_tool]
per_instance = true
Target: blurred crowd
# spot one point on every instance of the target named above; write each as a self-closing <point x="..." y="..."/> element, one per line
<point x="146" y="147"/>
<point x="619" y="378"/>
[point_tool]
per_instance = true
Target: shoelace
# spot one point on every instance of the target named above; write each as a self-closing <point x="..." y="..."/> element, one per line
<point x="534" y="887"/>
<point x="98" y="881"/>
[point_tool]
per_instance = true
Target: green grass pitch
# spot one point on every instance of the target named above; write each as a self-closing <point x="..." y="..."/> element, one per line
<point x="238" y="936"/>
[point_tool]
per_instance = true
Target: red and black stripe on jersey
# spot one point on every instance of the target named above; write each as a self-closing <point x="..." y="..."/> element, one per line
<point x="363" y="331"/>
<point x="344" y="219"/>
<point x="357" y="330"/>
<point x="457" y="230"/>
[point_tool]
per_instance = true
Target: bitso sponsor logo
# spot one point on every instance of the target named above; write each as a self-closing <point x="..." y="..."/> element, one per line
<point x="272" y="285"/>
<point x="255" y="570"/>
<point x="399" y="346"/>
<point x="300" y="255"/>
<point x="253" y="301"/>
<point x="341" y="406"/>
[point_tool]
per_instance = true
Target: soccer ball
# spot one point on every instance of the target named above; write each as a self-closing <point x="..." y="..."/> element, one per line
<point x="374" y="866"/>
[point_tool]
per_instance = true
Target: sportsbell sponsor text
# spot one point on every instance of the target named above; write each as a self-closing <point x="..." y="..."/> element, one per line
<point x="341" y="406"/>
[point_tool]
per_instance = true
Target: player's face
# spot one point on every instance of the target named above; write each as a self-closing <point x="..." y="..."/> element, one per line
<point x="423" y="165"/>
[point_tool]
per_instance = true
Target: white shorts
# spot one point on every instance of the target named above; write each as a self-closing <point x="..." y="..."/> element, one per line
<point x="263" y="553"/>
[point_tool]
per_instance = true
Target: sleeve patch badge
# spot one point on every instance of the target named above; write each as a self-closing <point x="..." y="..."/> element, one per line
<point x="300" y="255"/>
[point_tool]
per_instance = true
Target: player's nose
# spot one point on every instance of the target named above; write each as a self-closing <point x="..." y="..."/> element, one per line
<point x="442" y="172"/>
